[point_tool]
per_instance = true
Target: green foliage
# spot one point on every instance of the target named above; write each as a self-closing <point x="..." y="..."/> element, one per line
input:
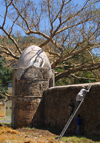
<point x="80" y="76"/>
<point x="5" y="75"/>
<point x="2" y="61"/>
<point x="87" y="78"/>
<point x="81" y="139"/>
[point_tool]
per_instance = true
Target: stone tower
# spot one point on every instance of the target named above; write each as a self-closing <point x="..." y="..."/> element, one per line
<point x="32" y="76"/>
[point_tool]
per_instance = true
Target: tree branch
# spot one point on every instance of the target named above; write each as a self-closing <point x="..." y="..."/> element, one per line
<point x="89" y="67"/>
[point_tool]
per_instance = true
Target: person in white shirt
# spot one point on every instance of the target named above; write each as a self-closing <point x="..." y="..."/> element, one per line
<point x="81" y="95"/>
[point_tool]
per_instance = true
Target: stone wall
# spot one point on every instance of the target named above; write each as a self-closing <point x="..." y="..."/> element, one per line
<point x="29" y="110"/>
<point x="27" y="94"/>
<point x="55" y="108"/>
<point x="24" y="110"/>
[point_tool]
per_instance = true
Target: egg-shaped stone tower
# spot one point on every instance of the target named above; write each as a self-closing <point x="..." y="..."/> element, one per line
<point x="32" y="76"/>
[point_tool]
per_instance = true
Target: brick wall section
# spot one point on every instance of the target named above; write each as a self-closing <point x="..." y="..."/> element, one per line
<point x="55" y="108"/>
<point x="27" y="96"/>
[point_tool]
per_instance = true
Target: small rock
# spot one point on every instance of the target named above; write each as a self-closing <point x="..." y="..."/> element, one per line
<point x="35" y="138"/>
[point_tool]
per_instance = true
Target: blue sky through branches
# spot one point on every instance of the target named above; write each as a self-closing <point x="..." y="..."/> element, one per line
<point x="8" y="21"/>
<point x="17" y="28"/>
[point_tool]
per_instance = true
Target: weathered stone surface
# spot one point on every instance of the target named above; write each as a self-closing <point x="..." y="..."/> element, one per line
<point x="38" y="118"/>
<point x="29" y="110"/>
<point x="34" y="73"/>
<point x="24" y="110"/>
<point x="27" y="96"/>
<point x="32" y="56"/>
<point x="55" y="102"/>
<point x="31" y="87"/>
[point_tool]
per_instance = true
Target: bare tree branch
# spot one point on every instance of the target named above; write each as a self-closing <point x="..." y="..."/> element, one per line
<point x="77" y="77"/>
<point x="73" y="70"/>
<point x="72" y="31"/>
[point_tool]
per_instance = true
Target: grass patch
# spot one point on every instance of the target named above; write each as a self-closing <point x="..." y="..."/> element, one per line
<point x="81" y="139"/>
<point x="72" y="139"/>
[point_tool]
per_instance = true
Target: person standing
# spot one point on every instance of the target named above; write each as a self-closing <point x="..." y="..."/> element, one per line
<point x="78" y="124"/>
<point x="70" y="107"/>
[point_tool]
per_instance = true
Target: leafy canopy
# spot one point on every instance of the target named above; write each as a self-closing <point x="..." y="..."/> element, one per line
<point x="5" y="76"/>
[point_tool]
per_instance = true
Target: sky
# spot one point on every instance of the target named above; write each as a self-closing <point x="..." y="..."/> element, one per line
<point x="80" y="2"/>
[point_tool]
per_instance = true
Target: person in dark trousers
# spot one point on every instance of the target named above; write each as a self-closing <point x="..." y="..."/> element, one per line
<point x="81" y="95"/>
<point x="78" y="124"/>
<point x="70" y="107"/>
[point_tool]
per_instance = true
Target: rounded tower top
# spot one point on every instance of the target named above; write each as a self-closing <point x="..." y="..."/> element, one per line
<point x="32" y="56"/>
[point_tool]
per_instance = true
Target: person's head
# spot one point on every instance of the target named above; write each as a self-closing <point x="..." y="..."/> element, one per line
<point x="83" y="86"/>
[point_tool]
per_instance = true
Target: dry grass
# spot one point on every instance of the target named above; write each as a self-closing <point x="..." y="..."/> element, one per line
<point x="25" y="135"/>
<point x="8" y="134"/>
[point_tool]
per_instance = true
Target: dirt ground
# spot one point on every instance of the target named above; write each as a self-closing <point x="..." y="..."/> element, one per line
<point x="26" y="135"/>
